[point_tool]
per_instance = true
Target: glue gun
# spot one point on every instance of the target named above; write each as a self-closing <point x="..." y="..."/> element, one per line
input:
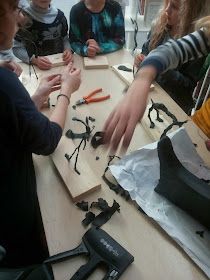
<point x="101" y="248"/>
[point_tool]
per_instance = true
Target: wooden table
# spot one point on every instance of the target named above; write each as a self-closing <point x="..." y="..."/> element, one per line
<point x="156" y="255"/>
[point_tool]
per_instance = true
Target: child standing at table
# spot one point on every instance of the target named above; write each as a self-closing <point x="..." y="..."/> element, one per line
<point x="48" y="34"/>
<point x="96" y="27"/>
<point x="175" y="20"/>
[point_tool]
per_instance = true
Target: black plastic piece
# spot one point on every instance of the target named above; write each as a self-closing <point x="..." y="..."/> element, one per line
<point x="180" y="186"/>
<point x="97" y="139"/>
<point x="89" y="217"/>
<point x="124" y="68"/>
<point x="83" y="205"/>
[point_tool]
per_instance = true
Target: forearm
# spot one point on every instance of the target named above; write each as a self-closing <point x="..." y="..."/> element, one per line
<point x="142" y="82"/>
<point x="79" y="48"/>
<point x="20" y="52"/>
<point x="66" y="43"/>
<point x="7" y="55"/>
<point x="174" y="53"/>
<point x="110" y="46"/>
<point x="59" y="114"/>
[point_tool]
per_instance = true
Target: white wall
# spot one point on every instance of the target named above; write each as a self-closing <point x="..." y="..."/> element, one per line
<point x="65" y="6"/>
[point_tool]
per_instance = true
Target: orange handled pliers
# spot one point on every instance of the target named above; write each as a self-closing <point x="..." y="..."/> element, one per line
<point x="87" y="99"/>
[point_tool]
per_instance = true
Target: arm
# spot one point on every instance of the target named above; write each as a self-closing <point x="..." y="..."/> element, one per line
<point x="20" y="51"/>
<point x="122" y="121"/>
<point x="118" y="35"/>
<point x="41" y="135"/>
<point x="7" y="55"/>
<point x="77" y="42"/>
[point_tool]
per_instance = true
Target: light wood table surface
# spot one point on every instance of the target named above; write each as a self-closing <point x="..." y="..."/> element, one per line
<point x="156" y="255"/>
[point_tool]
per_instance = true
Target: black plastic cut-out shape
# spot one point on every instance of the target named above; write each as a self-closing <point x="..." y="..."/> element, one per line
<point x="182" y="187"/>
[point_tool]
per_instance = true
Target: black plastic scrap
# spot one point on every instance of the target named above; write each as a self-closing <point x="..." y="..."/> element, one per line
<point x="124" y="68"/>
<point x="115" y="187"/>
<point x="83" y="205"/>
<point x="105" y="215"/>
<point x="200" y="232"/>
<point x="179" y="124"/>
<point x="72" y="135"/>
<point x="89" y="217"/>
<point x="101" y="204"/>
<point x="97" y="139"/>
<point x="85" y="136"/>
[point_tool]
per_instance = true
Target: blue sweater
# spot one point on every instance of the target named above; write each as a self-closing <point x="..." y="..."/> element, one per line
<point x="24" y="131"/>
<point x="106" y="27"/>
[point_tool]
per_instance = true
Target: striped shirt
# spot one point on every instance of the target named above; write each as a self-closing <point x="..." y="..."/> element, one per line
<point x="174" y="53"/>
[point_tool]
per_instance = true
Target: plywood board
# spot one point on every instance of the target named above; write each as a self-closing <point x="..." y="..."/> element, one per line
<point x="56" y="59"/>
<point x="126" y="76"/>
<point x="97" y="62"/>
<point x="155" y="132"/>
<point x="77" y="185"/>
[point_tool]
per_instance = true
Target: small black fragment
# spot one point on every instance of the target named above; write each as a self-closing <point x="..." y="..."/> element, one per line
<point x="89" y="217"/>
<point x="124" y="68"/>
<point x="196" y="145"/>
<point x="74" y="107"/>
<point x="67" y="157"/>
<point x="101" y="204"/>
<point x="91" y="119"/>
<point x="105" y="215"/>
<point x="83" y="205"/>
<point x="200" y="232"/>
<point x="53" y="105"/>
<point x="97" y="158"/>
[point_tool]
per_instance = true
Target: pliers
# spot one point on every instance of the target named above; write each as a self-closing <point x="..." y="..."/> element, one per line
<point x="87" y="99"/>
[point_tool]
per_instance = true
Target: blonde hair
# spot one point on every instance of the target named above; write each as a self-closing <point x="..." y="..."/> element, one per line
<point x="205" y="24"/>
<point x="159" y="28"/>
<point x="189" y="12"/>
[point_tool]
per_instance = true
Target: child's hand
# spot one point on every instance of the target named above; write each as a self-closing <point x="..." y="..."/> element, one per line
<point x="42" y="62"/>
<point x="138" y="59"/>
<point x="13" y="66"/>
<point x="70" y="79"/>
<point x="93" y="48"/>
<point x="47" y="85"/>
<point x="67" y="56"/>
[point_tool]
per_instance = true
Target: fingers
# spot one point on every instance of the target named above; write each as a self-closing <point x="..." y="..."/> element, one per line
<point x="43" y="63"/>
<point x="91" y="51"/>
<point x="67" y="56"/>
<point x="55" y="88"/>
<point x="207" y="142"/>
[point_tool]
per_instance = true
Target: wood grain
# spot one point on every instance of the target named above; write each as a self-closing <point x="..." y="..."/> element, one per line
<point x="97" y="62"/>
<point x="77" y="185"/>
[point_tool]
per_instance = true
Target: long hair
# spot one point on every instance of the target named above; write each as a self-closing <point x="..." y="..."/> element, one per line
<point x="189" y="12"/>
<point x="159" y="27"/>
<point x="205" y="24"/>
